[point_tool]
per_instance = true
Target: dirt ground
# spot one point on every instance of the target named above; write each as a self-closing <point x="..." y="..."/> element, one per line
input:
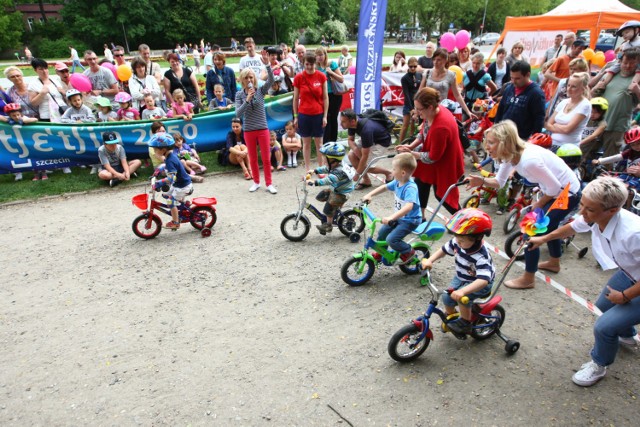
<point x="246" y="328"/>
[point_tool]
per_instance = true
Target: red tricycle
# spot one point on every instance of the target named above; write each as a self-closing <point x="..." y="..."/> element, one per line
<point x="199" y="212"/>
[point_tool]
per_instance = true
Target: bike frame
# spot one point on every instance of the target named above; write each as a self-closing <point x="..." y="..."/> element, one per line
<point x="184" y="208"/>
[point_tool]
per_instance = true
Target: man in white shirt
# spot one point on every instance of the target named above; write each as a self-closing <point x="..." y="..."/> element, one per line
<point x="75" y="60"/>
<point x="208" y="61"/>
<point x="615" y="239"/>
<point x="253" y="60"/>
<point x="554" y="50"/>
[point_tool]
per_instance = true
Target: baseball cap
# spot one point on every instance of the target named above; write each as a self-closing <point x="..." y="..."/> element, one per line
<point x="61" y="66"/>
<point x="579" y="43"/>
<point x="110" y="138"/>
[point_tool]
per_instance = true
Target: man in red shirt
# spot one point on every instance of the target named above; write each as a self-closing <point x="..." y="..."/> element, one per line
<point x="560" y="68"/>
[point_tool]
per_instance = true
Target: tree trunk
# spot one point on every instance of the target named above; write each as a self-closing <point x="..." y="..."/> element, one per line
<point x="44" y="15"/>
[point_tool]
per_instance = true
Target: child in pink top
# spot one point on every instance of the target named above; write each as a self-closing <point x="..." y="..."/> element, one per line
<point x="180" y="108"/>
<point x="126" y="113"/>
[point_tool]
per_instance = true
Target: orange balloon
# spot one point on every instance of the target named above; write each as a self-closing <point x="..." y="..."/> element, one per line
<point x="459" y="73"/>
<point x="599" y="59"/>
<point x="124" y="72"/>
<point x="588" y="54"/>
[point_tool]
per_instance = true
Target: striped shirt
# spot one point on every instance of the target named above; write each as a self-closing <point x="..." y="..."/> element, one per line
<point x="469" y="267"/>
<point x="253" y="113"/>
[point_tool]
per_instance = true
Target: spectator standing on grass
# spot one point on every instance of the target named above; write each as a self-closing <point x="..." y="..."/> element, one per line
<point x="298" y="66"/>
<point x="180" y="77"/>
<point x="153" y="69"/>
<point x="410" y="83"/>
<point x="553" y="51"/>
<point x="108" y="55"/>
<point x="425" y="62"/>
<point x="516" y="54"/>
<point x="19" y="92"/>
<point x="75" y="60"/>
<point x="142" y="84"/>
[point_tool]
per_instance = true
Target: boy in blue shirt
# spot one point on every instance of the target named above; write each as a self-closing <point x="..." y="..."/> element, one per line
<point x="335" y="177"/>
<point x="177" y="177"/>
<point x="407" y="214"/>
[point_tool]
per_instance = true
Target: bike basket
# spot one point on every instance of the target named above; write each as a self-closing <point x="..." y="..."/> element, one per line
<point x="140" y="200"/>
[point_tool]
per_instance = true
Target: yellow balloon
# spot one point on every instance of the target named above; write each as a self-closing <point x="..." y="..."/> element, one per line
<point x="588" y="54"/>
<point x="599" y="59"/>
<point x="124" y="72"/>
<point x="459" y="73"/>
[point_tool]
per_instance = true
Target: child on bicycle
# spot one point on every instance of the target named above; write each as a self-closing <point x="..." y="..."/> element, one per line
<point x="592" y="133"/>
<point x="475" y="271"/>
<point x="337" y="178"/>
<point x="477" y="127"/>
<point x="407" y="215"/>
<point x="177" y="177"/>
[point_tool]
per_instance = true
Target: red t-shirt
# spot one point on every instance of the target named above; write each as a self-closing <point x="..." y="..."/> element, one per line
<point x="310" y="92"/>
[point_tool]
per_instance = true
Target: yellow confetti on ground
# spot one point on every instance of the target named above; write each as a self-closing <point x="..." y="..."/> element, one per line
<point x="315" y="396"/>
<point x="440" y="381"/>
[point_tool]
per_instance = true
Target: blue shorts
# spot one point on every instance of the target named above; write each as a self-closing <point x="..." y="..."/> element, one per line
<point x="406" y="110"/>
<point x="456" y="284"/>
<point x="310" y="126"/>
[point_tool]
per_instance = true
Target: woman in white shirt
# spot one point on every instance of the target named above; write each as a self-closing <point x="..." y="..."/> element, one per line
<point x="571" y="115"/>
<point x="615" y="238"/>
<point x="45" y="94"/>
<point x="141" y="83"/>
<point x="539" y="165"/>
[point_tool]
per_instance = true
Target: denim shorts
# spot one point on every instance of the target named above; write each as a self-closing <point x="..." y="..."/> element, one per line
<point x="456" y="284"/>
<point x="310" y="126"/>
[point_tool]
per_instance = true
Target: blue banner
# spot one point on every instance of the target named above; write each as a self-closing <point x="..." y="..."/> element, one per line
<point x="373" y="14"/>
<point x="55" y="145"/>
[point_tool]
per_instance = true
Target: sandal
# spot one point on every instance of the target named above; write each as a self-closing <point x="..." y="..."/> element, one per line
<point x="247" y="176"/>
<point x="362" y="186"/>
<point x="282" y="168"/>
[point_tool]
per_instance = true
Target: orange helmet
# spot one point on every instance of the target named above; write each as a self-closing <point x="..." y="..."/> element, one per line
<point x="470" y="221"/>
<point x="480" y="106"/>
<point x="541" y="139"/>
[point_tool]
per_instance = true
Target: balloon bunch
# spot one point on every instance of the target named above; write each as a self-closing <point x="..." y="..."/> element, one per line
<point x="534" y="222"/>
<point x="460" y="40"/>
<point x="599" y="59"/>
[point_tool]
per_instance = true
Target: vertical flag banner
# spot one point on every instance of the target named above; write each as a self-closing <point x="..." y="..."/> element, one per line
<point x="373" y="14"/>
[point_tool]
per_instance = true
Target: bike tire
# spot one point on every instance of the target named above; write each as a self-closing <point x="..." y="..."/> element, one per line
<point x="471" y="202"/>
<point x="140" y="229"/>
<point x="203" y="217"/>
<point x="511" y="221"/>
<point x="486" y="332"/>
<point x="350" y="275"/>
<point x="512" y="243"/>
<point x="421" y="252"/>
<point x="350" y="222"/>
<point x="293" y="229"/>
<point x="403" y="346"/>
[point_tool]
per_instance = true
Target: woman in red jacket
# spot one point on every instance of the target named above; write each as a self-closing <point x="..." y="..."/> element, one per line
<point x="440" y="161"/>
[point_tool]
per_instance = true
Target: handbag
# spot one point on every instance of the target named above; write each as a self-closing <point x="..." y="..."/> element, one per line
<point x="339" y="88"/>
<point x="194" y="99"/>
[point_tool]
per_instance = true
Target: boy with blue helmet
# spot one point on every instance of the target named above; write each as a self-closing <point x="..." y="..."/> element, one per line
<point x="177" y="177"/>
<point x="335" y="177"/>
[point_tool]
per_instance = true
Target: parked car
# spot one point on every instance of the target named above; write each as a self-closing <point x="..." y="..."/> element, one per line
<point x="606" y="42"/>
<point x="487" y="38"/>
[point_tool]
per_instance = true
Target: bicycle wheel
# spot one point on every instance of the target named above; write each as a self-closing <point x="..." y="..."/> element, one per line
<point x="512" y="244"/>
<point x="493" y="324"/>
<point x="203" y="217"/>
<point x="404" y="345"/>
<point x="145" y="227"/>
<point x="421" y="252"/>
<point x="350" y="222"/>
<point x="471" y="202"/>
<point x="350" y="274"/>
<point x="511" y="221"/>
<point x="295" y="230"/>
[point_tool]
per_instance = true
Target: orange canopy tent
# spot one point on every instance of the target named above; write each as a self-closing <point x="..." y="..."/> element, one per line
<point x="572" y="15"/>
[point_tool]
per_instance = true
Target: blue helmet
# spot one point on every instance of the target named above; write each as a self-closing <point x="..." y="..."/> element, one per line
<point x="161" y="140"/>
<point x="333" y="150"/>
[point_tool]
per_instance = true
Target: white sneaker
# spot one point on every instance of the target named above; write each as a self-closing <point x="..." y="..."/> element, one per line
<point x="589" y="374"/>
<point x="271" y="189"/>
<point x="94" y="170"/>
<point x="254" y="187"/>
<point x="18" y="176"/>
<point x="66" y="170"/>
<point x="630" y="342"/>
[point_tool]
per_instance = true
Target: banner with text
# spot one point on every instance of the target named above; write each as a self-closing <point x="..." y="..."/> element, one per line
<point x="55" y="145"/>
<point x="373" y="14"/>
<point x="535" y="44"/>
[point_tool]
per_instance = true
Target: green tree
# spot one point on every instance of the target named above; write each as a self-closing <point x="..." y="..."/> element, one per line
<point x="11" y="24"/>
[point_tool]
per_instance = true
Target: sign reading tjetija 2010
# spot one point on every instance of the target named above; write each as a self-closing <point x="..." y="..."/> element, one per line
<point x="373" y="14"/>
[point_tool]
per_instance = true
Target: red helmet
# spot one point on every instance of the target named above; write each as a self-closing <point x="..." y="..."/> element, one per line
<point x="630" y="136"/>
<point x="541" y="139"/>
<point x="470" y="221"/>
<point x="12" y="107"/>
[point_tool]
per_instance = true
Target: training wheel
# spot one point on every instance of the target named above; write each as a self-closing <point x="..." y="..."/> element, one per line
<point x="512" y="347"/>
<point x="205" y="232"/>
<point x="583" y="252"/>
<point x="354" y="237"/>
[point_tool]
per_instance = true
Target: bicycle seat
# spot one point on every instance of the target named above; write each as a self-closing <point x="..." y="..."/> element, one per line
<point x="435" y="229"/>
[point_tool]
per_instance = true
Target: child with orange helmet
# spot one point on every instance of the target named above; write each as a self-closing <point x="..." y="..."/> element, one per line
<point x="475" y="271"/>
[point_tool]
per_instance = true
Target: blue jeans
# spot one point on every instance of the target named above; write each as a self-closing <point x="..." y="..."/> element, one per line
<point x="556" y="216"/>
<point x="456" y="284"/>
<point x="395" y="235"/>
<point x="616" y="321"/>
<point x="75" y="64"/>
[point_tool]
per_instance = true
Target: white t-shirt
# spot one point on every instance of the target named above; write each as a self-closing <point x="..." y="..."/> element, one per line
<point x="563" y="118"/>
<point x="253" y="62"/>
<point x="48" y="108"/>
<point x="500" y="72"/>
<point x="542" y="167"/>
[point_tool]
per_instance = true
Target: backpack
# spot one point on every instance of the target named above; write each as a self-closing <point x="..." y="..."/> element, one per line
<point x="462" y="134"/>
<point x="223" y="157"/>
<point x="378" y="116"/>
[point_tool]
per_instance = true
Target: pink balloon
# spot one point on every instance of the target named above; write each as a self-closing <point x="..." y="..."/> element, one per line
<point x="462" y="39"/>
<point x="112" y="68"/>
<point x="80" y="82"/>
<point x="448" y="41"/>
<point x="352" y="69"/>
<point x="609" y="55"/>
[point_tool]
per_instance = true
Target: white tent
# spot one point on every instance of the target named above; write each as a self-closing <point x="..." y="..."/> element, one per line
<point x="572" y="7"/>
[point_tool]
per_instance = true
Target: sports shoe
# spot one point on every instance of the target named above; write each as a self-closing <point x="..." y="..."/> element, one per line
<point x="407" y="258"/>
<point x="272" y="189"/>
<point x="36" y="177"/>
<point x="500" y="211"/>
<point x="44" y="177"/>
<point x="172" y="225"/>
<point x="322" y="175"/>
<point x="589" y="374"/>
<point x="94" y="170"/>
<point x="460" y="326"/>
<point x="18" y="176"/>
<point x="202" y="169"/>
<point x="295" y="163"/>
<point x="630" y="342"/>
<point x="254" y="187"/>
<point x="324" y="228"/>
<point x="66" y="170"/>
<point x="114" y="182"/>
<point x="290" y="161"/>
<point x="192" y="172"/>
